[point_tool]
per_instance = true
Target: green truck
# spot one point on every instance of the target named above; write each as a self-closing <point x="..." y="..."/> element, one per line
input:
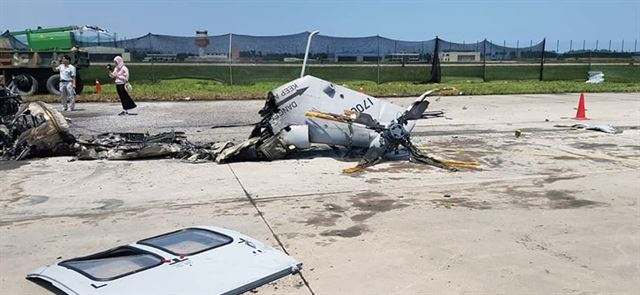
<point x="32" y="66"/>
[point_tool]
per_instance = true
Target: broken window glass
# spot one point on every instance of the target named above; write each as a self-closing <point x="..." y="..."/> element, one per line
<point x="114" y="263"/>
<point x="188" y="241"/>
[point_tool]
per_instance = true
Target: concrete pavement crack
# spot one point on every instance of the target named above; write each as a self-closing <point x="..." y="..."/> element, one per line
<point x="273" y="233"/>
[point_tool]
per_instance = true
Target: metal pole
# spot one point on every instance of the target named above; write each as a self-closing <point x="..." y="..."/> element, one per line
<point x="557" y="46"/>
<point x="378" y="58"/>
<point x="609" y="44"/>
<point x="484" y="60"/>
<point x="590" y="52"/>
<point x="306" y="53"/>
<point x="436" y="70"/>
<point x="230" y="38"/>
<point x="622" y="46"/>
<point x="230" y="60"/>
<point x="584" y="45"/>
<point x="544" y="41"/>
<point x="570" y="45"/>
<point x="504" y="49"/>
<point x="596" y="45"/>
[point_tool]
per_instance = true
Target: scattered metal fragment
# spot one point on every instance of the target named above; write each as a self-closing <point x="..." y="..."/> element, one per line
<point x="196" y="260"/>
<point x="595" y="77"/>
<point x="606" y="128"/>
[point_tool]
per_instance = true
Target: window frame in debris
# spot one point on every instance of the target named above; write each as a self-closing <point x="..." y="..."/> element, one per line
<point x="150" y="244"/>
<point x="105" y="254"/>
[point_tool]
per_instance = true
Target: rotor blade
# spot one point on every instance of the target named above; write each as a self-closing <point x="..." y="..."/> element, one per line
<point x="349" y="117"/>
<point x="416" y="110"/>
<point x="366" y="120"/>
<point x="419" y="157"/>
<point x="377" y="149"/>
<point x="432" y="114"/>
<point x="328" y="116"/>
<point x="440" y="91"/>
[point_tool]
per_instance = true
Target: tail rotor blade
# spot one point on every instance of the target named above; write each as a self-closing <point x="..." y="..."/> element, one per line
<point x="420" y="157"/>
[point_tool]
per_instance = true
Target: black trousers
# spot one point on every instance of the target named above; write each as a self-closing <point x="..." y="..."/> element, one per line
<point x="125" y="99"/>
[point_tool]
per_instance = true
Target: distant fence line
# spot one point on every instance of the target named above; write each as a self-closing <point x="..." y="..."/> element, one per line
<point x="437" y="57"/>
<point x="294" y="44"/>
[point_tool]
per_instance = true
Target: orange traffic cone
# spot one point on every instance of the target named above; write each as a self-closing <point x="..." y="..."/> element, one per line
<point x="582" y="112"/>
<point x="98" y="87"/>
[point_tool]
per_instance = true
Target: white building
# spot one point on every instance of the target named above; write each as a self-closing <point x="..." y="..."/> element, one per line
<point x="458" y="56"/>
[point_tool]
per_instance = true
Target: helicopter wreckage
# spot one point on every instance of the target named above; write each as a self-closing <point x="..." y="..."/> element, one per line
<point x="296" y="115"/>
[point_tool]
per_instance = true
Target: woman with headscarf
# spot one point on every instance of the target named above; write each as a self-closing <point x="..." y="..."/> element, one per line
<point x="121" y="74"/>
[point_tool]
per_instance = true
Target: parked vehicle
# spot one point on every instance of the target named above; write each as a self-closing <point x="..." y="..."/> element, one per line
<point x="44" y="49"/>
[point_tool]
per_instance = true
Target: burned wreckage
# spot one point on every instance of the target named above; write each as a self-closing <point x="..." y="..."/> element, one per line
<point x="296" y="115"/>
<point x="32" y="129"/>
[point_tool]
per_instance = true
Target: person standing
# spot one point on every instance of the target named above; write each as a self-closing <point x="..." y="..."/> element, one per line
<point x="121" y="75"/>
<point x="67" y="83"/>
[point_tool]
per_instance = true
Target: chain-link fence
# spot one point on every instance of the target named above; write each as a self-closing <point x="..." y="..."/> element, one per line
<point x="241" y="59"/>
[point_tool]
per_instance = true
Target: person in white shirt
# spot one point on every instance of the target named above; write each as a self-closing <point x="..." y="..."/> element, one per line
<point x="67" y="83"/>
<point x="121" y="75"/>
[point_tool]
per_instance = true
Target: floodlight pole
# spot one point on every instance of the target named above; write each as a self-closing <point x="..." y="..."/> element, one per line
<point x="306" y="53"/>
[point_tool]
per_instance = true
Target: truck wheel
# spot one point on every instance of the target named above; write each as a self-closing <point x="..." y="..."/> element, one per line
<point x="53" y="84"/>
<point x="30" y="87"/>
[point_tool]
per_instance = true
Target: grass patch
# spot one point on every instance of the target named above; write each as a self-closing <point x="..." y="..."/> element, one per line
<point x="247" y="75"/>
<point x="195" y="89"/>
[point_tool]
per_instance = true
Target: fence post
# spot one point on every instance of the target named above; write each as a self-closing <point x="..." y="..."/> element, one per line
<point x="544" y="41"/>
<point x="378" y="58"/>
<point x="230" y="60"/>
<point x="590" y="52"/>
<point x="484" y="60"/>
<point x="436" y="74"/>
<point x="153" y="73"/>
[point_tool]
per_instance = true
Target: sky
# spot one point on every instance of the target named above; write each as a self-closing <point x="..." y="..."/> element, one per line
<point x="412" y="20"/>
